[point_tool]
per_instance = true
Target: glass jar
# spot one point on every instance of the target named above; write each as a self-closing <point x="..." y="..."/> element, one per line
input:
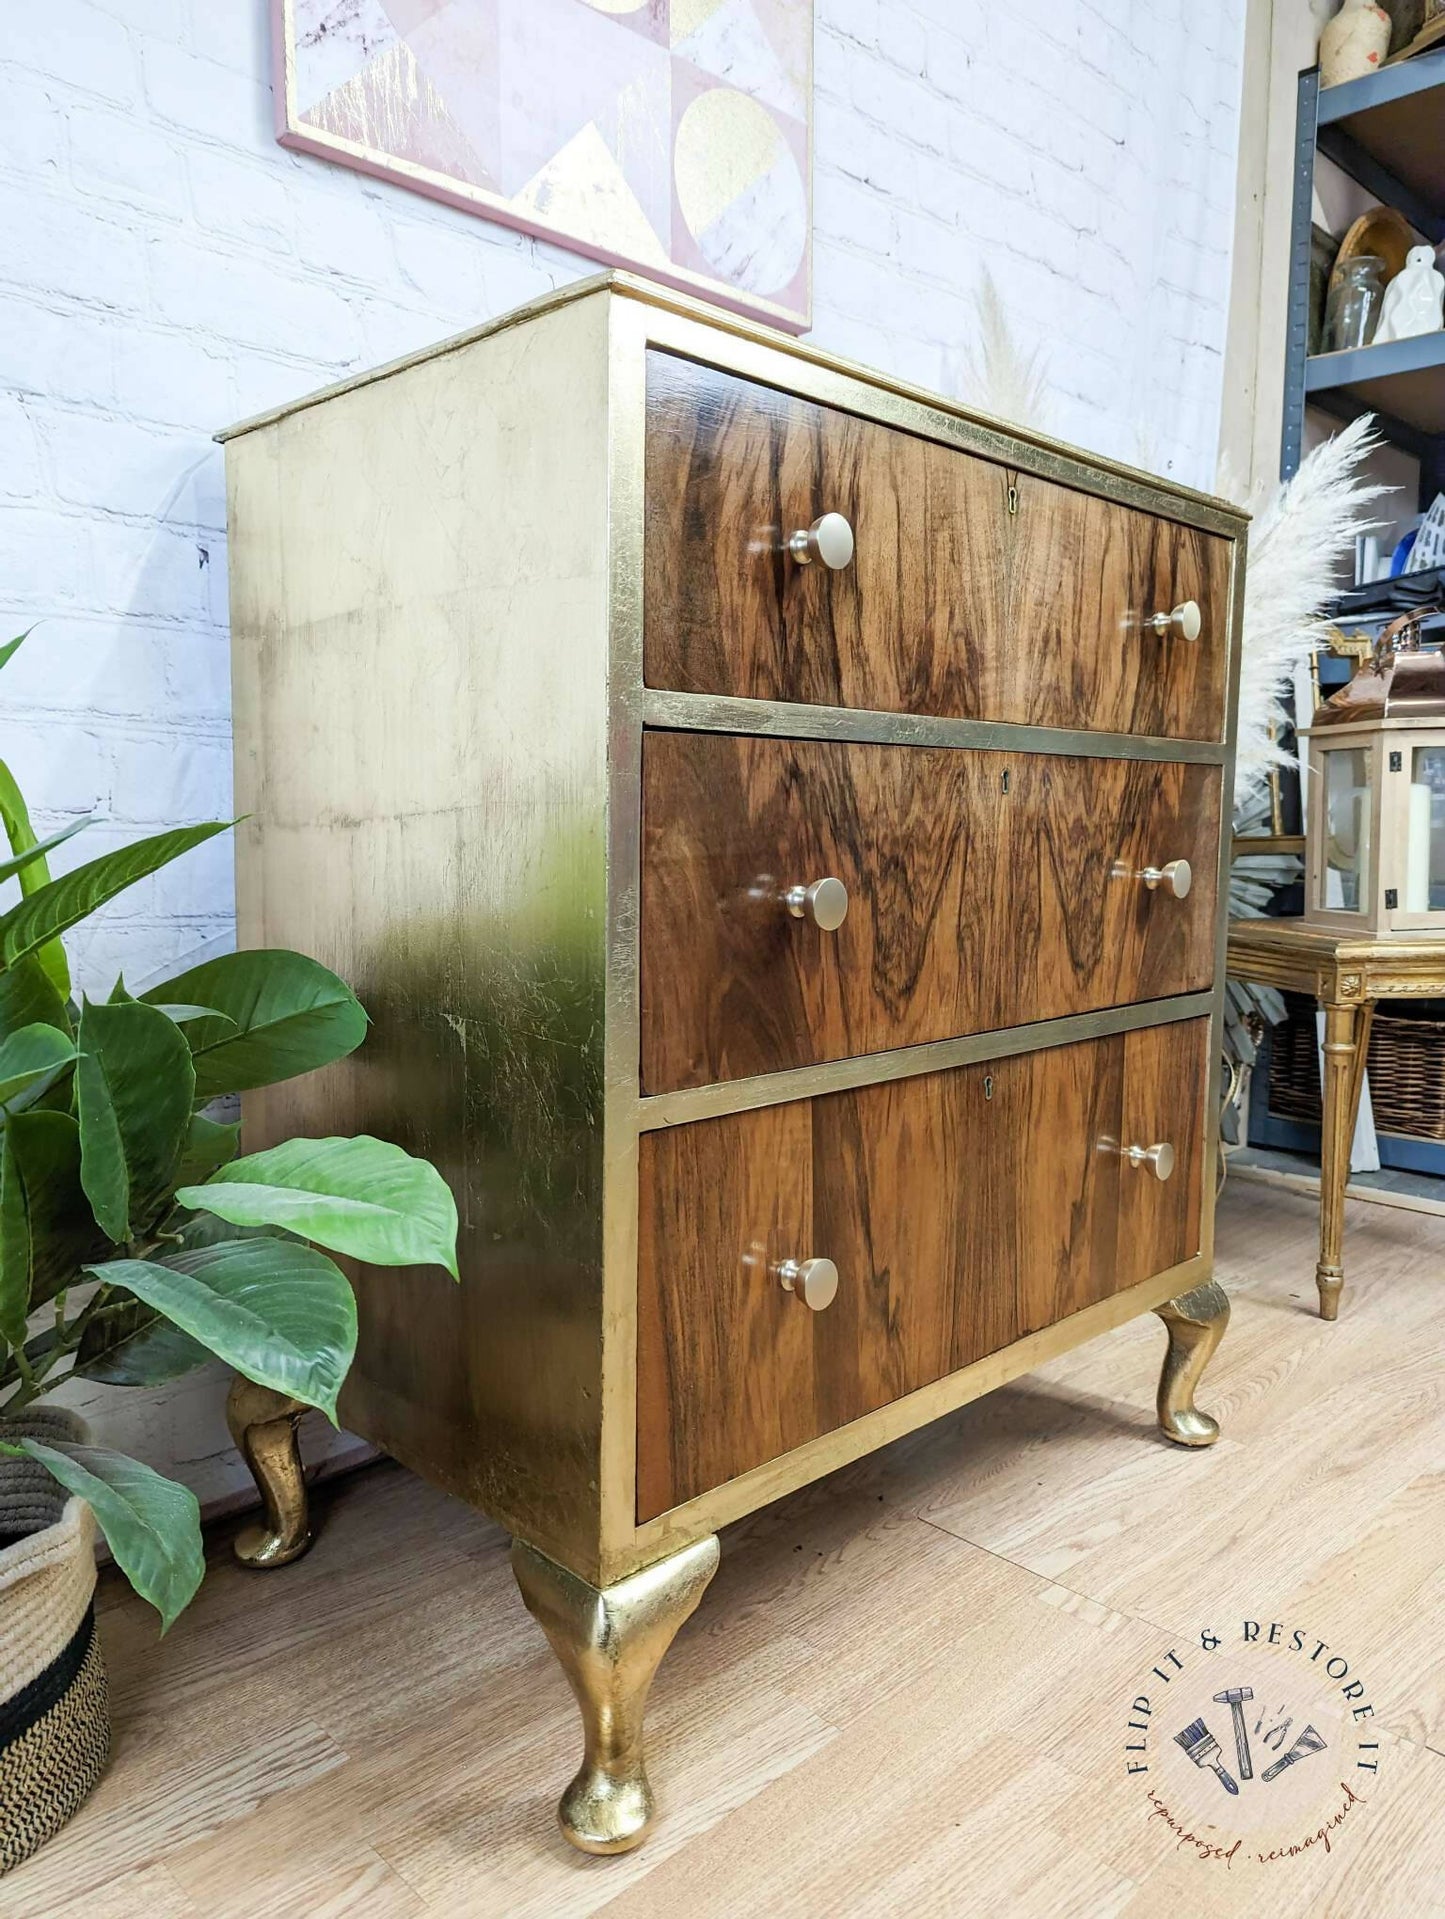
<point x="1355" y="299"/>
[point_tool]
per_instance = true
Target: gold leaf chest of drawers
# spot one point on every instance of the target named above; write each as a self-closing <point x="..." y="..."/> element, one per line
<point x="773" y="819"/>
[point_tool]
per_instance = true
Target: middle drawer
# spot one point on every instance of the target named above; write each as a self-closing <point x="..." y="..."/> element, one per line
<point x="983" y="890"/>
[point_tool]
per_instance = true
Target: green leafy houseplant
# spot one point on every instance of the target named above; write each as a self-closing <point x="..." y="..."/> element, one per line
<point x="135" y="1244"/>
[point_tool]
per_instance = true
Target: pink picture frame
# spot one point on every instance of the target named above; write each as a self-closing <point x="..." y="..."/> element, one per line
<point x="672" y="137"/>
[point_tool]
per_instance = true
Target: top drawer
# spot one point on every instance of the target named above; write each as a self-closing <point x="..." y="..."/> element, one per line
<point x="951" y="604"/>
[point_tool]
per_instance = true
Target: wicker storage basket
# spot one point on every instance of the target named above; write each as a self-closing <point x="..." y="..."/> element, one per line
<point x="54" y="1708"/>
<point x="1406" y="1066"/>
<point x="1294" y="1064"/>
<point x="1407" y="1072"/>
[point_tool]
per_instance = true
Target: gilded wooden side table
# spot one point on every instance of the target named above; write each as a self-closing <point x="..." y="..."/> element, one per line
<point x="1347" y="975"/>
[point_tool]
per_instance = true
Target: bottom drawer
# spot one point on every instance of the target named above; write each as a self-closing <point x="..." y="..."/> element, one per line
<point x="962" y="1210"/>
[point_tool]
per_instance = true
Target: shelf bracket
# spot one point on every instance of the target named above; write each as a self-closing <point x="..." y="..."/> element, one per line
<point x="1346" y="152"/>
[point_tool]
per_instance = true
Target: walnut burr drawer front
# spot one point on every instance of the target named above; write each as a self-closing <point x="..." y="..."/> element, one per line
<point x="801" y="1265"/>
<point x="808" y="900"/>
<point x="958" y="587"/>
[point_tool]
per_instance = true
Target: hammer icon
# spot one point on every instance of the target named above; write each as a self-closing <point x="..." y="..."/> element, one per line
<point x="1234" y="1698"/>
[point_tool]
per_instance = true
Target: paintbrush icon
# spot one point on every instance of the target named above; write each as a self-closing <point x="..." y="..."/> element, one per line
<point x="1309" y="1741"/>
<point x="1202" y="1747"/>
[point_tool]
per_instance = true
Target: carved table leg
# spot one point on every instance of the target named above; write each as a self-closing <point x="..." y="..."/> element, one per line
<point x="263" y="1424"/>
<point x="1347" y="1040"/>
<point x="610" y="1642"/>
<point x="1196" y="1323"/>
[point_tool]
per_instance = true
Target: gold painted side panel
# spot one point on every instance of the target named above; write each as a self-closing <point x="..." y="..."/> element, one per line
<point x="421" y="580"/>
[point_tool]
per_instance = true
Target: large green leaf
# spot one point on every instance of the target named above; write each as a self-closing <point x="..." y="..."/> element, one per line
<point x="127" y="1343"/>
<point x="288" y="1015"/>
<point x="46" y="1231"/>
<point x="195" y="1230"/>
<point x="209" y="1145"/>
<point x="53" y="909"/>
<point x="28" y="994"/>
<point x="12" y="647"/>
<point x="152" y="1525"/>
<point x="31" y="1060"/>
<point x="35" y="875"/>
<point x="121" y="995"/>
<point x="359" y="1196"/>
<point x="273" y="1309"/>
<point x="135" y="1086"/>
<point x="19" y="862"/>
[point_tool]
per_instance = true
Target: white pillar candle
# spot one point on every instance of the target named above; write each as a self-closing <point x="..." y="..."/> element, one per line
<point x="1417" y="851"/>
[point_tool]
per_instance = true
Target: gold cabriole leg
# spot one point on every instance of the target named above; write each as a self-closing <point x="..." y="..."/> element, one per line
<point x="1195" y="1323"/>
<point x="610" y="1641"/>
<point x="263" y="1424"/>
<point x="1347" y="1040"/>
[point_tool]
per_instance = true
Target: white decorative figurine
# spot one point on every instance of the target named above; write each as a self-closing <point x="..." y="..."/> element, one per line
<point x="1414" y="299"/>
<point x="1354" y="42"/>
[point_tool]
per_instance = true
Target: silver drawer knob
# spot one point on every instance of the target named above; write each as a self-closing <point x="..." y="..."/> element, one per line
<point x="1159" y="1159"/>
<point x="825" y="903"/>
<point x="1185" y="622"/>
<point x="814" y="1281"/>
<point x="1176" y="878"/>
<point x="829" y="539"/>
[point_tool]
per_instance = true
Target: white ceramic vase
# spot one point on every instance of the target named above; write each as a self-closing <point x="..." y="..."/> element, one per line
<point x="1354" y="42"/>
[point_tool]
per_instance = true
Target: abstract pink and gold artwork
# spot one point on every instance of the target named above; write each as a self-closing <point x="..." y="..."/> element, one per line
<point x="673" y="136"/>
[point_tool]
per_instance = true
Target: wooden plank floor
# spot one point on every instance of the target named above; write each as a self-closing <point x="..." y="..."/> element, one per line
<point x="901" y="1693"/>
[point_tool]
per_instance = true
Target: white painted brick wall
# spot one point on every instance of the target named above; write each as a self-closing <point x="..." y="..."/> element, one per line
<point x="166" y="268"/>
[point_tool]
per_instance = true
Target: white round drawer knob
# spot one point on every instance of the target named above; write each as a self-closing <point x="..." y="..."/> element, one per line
<point x="1176" y="878"/>
<point x="1184" y="622"/>
<point x="1159" y="1159"/>
<point x="829" y="539"/>
<point x="825" y="903"/>
<point x="814" y="1281"/>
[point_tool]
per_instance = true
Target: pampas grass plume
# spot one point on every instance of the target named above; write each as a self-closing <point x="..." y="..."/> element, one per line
<point x="1302" y="532"/>
<point x="994" y="373"/>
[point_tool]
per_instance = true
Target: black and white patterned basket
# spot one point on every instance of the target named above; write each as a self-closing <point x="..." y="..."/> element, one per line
<point x="54" y="1707"/>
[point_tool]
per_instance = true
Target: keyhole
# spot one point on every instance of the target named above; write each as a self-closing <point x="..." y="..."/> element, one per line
<point x="1005" y="781"/>
<point x="988" y="1085"/>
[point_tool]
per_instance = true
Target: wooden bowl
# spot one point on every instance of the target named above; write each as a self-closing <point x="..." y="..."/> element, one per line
<point x="1383" y="232"/>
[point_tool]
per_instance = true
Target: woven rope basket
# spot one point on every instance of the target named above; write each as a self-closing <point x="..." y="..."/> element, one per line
<point x="54" y="1708"/>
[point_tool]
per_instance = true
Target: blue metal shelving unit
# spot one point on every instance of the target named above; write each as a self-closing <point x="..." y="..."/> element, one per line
<point x="1386" y="130"/>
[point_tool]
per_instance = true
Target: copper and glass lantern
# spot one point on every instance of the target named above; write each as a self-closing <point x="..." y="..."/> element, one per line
<point x="1375" y="835"/>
